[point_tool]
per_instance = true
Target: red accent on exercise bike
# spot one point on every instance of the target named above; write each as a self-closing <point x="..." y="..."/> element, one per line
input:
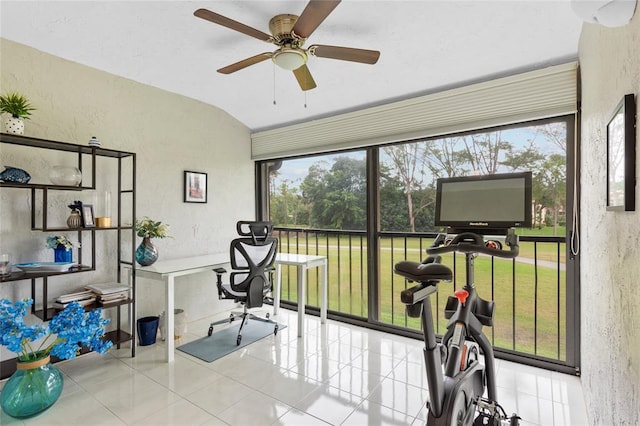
<point x="463" y="358"/>
<point x="461" y="295"/>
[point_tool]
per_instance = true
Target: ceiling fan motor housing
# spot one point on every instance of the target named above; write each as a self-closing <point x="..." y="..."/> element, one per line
<point x="280" y="27"/>
<point x="290" y="56"/>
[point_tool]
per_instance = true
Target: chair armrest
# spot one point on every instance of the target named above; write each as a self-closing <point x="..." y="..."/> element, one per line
<point x="219" y="272"/>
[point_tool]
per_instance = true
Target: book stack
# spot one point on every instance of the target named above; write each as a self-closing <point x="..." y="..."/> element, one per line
<point x="109" y="292"/>
<point x="84" y="298"/>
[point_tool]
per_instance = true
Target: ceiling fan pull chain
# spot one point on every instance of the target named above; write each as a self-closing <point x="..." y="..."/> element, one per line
<point x="274" y="83"/>
<point x="305" y="98"/>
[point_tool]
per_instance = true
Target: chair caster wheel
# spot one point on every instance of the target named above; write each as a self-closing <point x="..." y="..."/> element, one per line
<point x="210" y="332"/>
<point x="231" y="318"/>
<point x="238" y="340"/>
<point x="267" y="315"/>
<point x="275" y="330"/>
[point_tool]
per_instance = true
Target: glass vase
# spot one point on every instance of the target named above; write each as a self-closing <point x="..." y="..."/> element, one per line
<point x="65" y="175"/>
<point x="146" y="253"/>
<point x="60" y="254"/>
<point x="34" y="387"/>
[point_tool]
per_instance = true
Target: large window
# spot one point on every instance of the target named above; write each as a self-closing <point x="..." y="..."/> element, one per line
<point x="325" y="205"/>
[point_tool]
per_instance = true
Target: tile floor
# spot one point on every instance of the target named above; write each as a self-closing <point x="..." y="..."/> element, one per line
<point x="338" y="374"/>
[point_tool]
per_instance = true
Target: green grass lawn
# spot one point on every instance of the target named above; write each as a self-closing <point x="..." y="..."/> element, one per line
<point x="530" y="314"/>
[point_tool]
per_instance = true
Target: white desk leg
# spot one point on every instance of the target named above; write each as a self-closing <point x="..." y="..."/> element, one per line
<point x="302" y="297"/>
<point x="276" y="289"/>
<point x="169" y="305"/>
<point x="323" y="291"/>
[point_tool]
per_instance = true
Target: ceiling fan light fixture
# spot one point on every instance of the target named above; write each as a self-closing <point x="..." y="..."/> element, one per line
<point x="289" y="58"/>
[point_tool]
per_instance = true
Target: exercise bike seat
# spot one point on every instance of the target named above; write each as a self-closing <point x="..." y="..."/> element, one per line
<point x="423" y="272"/>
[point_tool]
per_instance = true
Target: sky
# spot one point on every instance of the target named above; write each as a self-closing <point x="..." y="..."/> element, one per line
<point x="295" y="170"/>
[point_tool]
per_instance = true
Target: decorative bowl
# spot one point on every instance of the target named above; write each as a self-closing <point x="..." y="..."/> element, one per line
<point x="14" y="174"/>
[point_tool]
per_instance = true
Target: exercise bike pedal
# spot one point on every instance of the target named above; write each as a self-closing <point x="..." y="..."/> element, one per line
<point x="492" y="414"/>
<point x="487" y="420"/>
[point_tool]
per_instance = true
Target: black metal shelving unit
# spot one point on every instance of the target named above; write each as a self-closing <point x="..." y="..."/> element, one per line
<point x="86" y="261"/>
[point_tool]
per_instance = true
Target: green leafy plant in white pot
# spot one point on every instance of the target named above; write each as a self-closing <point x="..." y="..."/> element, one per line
<point x="16" y="108"/>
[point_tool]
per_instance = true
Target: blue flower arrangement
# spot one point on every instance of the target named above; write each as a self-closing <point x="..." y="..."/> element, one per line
<point x="65" y="333"/>
<point x="55" y="242"/>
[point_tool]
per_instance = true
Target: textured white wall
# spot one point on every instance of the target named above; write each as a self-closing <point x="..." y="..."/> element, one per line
<point x="169" y="134"/>
<point x="610" y="265"/>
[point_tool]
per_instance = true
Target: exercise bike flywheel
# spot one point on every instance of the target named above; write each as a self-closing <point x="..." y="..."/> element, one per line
<point x="462" y="413"/>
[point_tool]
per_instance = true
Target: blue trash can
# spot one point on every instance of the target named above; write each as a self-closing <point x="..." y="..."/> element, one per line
<point x="147" y="329"/>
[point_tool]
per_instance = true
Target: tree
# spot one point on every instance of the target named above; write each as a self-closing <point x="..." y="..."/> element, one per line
<point x="484" y="150"/>
<point x="286" y="205"/>
<point x="313" y="190"/>
<point x="444" y="158"/>
<point x="556" y="133"/>
<point x="336" y="197"/>
<point x="553" y="177"/>
<point x="405" y="159"/>
<point x="393" y="206"/>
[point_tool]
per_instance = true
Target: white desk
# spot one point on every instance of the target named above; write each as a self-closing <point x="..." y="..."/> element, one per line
<point x="166" y="271"/>
<point x="302" y="262"/>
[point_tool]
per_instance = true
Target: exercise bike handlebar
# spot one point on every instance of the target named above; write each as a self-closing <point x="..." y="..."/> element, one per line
<point x="468" y="242"/>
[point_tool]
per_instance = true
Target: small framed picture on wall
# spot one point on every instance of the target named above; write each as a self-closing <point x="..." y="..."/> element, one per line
<point x="621" y="156"/>
<point x="87" y="216"/>
<point x="195" y="187"/>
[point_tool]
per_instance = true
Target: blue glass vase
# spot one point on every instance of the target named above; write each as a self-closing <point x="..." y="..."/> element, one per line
<point x="146" y="253"/>
<point x="62" y="255"/>
<point x="34" y="387"/>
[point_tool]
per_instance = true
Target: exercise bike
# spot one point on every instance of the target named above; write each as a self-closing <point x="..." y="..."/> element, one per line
<point x="456" y="396"/>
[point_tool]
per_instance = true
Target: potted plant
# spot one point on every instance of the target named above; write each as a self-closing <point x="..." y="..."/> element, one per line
<point x="147" y="253"/>
<point x="19" y="109"/>
<point x="62" y="248"/>
<point x="37" y="384"/>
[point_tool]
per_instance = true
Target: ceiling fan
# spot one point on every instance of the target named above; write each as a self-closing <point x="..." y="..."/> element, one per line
<point x="289" y="33"/>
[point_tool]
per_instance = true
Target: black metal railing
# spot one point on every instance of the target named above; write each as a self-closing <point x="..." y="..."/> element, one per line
<point x="529" y="291"/>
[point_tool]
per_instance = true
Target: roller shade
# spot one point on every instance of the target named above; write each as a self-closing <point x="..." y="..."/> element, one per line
<point x="527" y="96"/>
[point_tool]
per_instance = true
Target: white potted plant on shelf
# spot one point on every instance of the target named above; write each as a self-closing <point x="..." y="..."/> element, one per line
<point x="16" y="109"/>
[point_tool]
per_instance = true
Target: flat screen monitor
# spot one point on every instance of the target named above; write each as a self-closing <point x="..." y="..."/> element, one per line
<point x="484" y="202"/>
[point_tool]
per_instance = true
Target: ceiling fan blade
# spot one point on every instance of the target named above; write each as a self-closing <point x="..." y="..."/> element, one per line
<point x="245" y="63"/>
<point x="304" y="78"/>
<point x="345" y="53"/>
<point x="230" y="23"/>
<point x="312" y="16"/>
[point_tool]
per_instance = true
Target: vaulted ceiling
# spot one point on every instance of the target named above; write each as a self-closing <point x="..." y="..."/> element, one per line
<point x="425" y="46"/>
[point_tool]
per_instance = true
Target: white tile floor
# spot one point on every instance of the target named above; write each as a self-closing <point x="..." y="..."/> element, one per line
<point x="338" y="374"/>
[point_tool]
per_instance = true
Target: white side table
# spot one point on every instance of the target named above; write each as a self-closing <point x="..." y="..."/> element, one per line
<point x="303" y="262"/>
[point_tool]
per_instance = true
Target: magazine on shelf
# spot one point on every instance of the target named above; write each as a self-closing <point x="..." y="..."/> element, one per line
<point x="107" y="288"/>
<point x="82" y="295"/>
<point x="113" y="297"/>
<point x="84" y="302"/>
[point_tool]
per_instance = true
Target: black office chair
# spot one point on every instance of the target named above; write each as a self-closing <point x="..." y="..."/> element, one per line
<point x="252" y="257"/>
